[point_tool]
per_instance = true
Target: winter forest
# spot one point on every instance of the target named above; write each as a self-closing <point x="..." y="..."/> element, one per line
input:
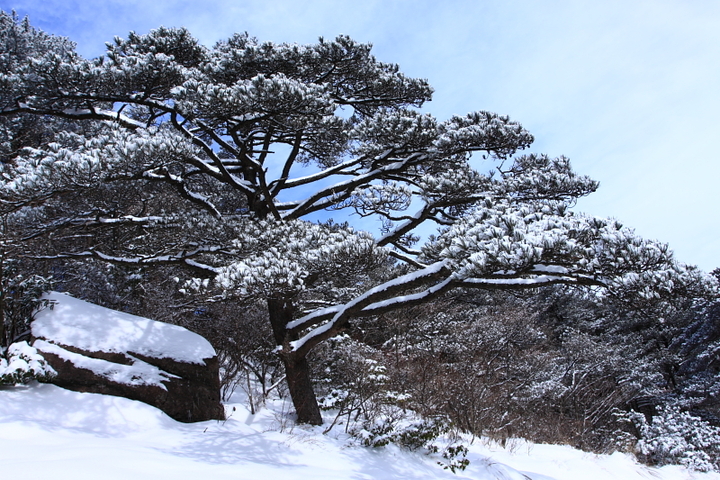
<point x="300" y="208"/>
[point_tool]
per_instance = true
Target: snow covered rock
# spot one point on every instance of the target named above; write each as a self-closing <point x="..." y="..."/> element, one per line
<point x="98" y="350"/>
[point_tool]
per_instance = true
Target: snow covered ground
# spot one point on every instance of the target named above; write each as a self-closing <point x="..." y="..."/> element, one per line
<point x="47" y="432"/>
<point x="50" y="433"/>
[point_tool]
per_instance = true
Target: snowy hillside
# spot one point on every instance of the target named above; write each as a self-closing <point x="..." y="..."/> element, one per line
<point x="47" y="432"/>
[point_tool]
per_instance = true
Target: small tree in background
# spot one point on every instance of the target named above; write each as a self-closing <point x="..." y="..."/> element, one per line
<point x="20" y="298"/>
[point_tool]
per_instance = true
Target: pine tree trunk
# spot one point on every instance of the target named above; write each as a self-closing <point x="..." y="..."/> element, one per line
<point x="297" y="369"/>
<point x="301" y="391"/>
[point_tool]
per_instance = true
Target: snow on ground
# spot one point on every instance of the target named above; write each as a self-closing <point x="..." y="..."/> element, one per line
<point x="48" y="432"/>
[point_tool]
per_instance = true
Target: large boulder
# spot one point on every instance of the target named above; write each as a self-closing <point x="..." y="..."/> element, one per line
<point x="98" y="350"/>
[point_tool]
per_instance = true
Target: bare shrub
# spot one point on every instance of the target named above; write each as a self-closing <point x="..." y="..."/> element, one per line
<point x="241" y="337"/>
<point x="495" y="368"/>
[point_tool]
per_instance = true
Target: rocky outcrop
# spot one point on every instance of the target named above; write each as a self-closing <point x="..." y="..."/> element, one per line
<point x="98" y="350"/>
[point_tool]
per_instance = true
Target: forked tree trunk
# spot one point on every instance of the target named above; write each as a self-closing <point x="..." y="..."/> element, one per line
<point x="297" y="369"/>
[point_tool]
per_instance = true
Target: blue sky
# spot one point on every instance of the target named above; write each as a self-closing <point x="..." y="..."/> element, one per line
<point x="628" y="90"/>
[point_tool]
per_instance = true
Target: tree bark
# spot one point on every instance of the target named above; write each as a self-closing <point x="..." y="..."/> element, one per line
<point x="297" y="369"/>
<point x="297" y="373"/>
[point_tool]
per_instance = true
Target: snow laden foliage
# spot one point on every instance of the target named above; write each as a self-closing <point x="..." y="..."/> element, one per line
<point x="281" y="257"/>
<point x="677" y="437"/>
<point x="546" y="243"/>
<point x="24" y="363"/>
<point x="21" y="297"/>
<point x="77" y="162"/>
<point x="216" y="164"/>
<point x="353" y="381"/>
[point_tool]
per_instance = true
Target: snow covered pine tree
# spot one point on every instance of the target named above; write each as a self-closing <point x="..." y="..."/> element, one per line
<point x="220" y="159"/>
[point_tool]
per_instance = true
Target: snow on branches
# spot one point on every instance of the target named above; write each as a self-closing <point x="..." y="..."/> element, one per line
<point x="24" y="363"/>
<point x="229" y="128"/>
<point x="226" y="160"/>
<point x="80" y="162"/>
<point x="282" y="258"/>
<point x="536" y="243"/>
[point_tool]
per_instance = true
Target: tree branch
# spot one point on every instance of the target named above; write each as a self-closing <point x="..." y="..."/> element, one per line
<point x="342" y="190"/>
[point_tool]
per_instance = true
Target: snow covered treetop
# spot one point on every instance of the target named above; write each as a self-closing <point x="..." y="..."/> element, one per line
<point x="230" y="159"/>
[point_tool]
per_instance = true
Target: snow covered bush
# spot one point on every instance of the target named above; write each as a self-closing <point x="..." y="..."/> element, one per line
<point x="697" y="348"/>
<point x="483" y="366"/>
<point x="20" y="297"/>
<point x="24" y="364"/>
<point x="352" y="380"/>
<point x="677" y="437"/>
<point x="432" y="435"/>
<point x="412" y="435"/>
